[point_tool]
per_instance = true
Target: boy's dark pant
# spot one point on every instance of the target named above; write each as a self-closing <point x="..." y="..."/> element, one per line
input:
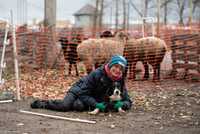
<point x="70" y="102"/>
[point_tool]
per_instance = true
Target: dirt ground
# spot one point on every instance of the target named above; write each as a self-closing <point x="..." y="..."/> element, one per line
<point x="163" y="107"/>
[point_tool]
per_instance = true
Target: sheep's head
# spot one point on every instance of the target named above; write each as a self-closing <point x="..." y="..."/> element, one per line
<point x="121" y="36"/>
<point x="106" y="34"/>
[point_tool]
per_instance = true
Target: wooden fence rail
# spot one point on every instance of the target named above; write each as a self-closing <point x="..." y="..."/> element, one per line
<point x="186" y="53"/>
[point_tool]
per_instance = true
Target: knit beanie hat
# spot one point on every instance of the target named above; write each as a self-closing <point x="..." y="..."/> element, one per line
<point x="117" y="59"/>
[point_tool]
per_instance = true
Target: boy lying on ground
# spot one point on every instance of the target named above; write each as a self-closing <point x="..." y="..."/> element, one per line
<point x="94" y="91"/>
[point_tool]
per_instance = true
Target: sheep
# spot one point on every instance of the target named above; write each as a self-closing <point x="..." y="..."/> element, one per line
<point x="70" y="51"/>
<point x="148" y="50"/>
<point x="94" y="52"/>
<point x="106" y="34"/>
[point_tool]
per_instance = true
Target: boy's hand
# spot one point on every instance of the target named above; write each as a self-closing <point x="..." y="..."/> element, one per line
<point x="94" y="112"/>
<point x="101" y="106"/>
<point x="118" y="105"/>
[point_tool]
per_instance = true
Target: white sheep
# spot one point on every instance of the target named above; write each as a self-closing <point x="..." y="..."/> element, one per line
<point x="148" y="50"/>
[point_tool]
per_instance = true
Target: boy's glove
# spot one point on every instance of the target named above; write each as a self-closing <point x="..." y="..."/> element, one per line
<point x="118" y="104"/>
<point x="101" y="106"/>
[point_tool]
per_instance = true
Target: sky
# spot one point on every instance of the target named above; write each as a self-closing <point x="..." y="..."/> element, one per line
<point x="65" y="10"/>
<point x="35" y="8"/>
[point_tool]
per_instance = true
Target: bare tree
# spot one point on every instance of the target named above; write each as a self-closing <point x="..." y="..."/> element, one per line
<point x="116" y="14"/>
<point x="158" y="17"/>
<point x="50" y="13"/>
<point x="164" y="5"/>
<point x="181" y="6"/>
<point x="50" y="24"/>
<point x="95" y="18"/>
<point x="196" y="3"/>
<point x="101" y="14"/>
<point x="128" y="16"/>
<point x="124" y="14"/>
<point x="136" y="9"/>
<point x="145" y="10"/>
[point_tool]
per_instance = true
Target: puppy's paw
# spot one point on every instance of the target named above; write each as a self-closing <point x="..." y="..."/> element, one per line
<point x="94" y="112"/>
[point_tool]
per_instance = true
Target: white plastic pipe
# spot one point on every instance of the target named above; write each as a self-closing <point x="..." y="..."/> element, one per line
<point x="6" y="101"/>
<point x="58" y="117"/>
<point x="3" y="64"/>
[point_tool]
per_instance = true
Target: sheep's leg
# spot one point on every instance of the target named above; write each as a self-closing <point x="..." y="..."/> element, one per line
<point x="158" y="72"/>
<point x="146" y="68"/>
<point x="70" y="68"/>
<point x="132" y="71"/>
<point x="75" y="65"/>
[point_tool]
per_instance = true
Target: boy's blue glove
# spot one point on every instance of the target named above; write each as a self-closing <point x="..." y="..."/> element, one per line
<point x="118" y="105"/>
<point x="101" y="106"/>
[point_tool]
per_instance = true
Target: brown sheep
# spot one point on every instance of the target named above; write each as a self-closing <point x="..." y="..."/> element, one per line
<point x="69" y="49"/>
<point x="94" y="52"/>
<point x="148" y="50"/>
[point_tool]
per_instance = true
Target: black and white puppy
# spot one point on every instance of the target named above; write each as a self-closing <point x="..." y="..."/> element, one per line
<point x="113" y="95"/>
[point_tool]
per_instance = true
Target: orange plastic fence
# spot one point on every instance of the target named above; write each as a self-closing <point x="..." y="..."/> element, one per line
<point x="35" y="46"/>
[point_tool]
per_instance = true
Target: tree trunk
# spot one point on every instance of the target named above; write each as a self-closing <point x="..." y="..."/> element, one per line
<point x="165" y="13"/>
<point x="116" y="15"/>
<point x="95" y="19"/>
<point x="181" y="5"/>
<point x="50" y="26"/>
<point x="128" y="17"/>
<point x="101" y="14"/>
<point x="124" y="15"/>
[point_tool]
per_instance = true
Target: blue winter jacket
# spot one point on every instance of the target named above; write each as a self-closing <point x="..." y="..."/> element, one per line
<point x="96" y="87"/>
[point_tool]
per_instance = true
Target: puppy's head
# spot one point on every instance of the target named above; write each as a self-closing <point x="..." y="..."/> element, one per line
<point x="116" y="95"/>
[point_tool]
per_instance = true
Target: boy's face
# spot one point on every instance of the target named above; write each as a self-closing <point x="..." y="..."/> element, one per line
<point x="116" y="70"/>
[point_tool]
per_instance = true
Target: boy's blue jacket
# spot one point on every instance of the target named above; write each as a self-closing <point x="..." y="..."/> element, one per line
<point x="96" y="87"/>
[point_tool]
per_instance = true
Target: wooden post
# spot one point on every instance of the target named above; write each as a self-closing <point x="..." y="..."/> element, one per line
<point x="185" y="58"/>
<point x="15" y="59"/>
<point x="173" y="47"/>
<point x="198" y="53"/>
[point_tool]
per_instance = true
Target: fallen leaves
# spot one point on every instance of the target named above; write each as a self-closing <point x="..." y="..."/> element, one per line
<point x="49" y="84"/>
